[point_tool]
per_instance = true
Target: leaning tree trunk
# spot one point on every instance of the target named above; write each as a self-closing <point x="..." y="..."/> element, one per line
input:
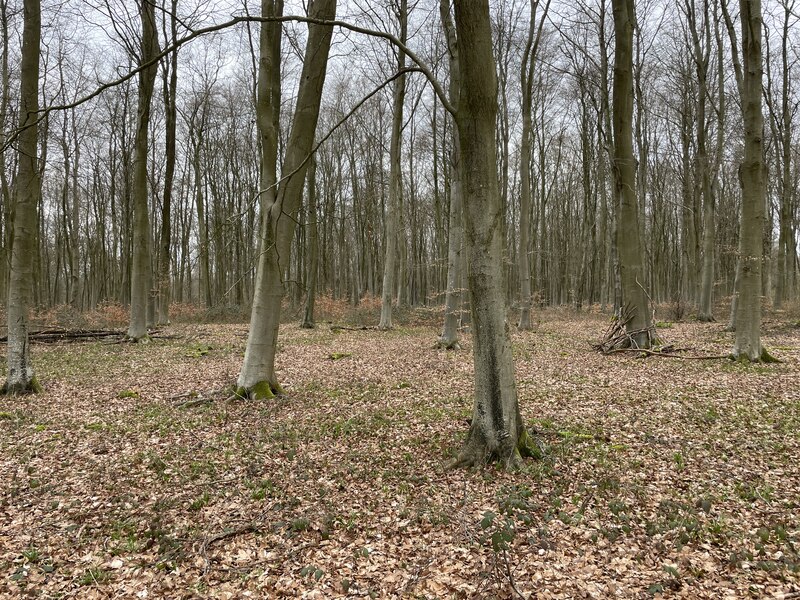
<point x="639" y="327"/>
<point x="21" y="376"/>
<point x="141" y="269"/>
<point x="281" y="206"/>
<point x="497" y="431"/>
<point x="395" y="182"/>
<point x="455" y="232"/>
<point x="751" y="174"/>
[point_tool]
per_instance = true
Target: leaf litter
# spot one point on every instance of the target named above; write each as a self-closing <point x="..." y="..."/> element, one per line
<point x="675" y="479"/>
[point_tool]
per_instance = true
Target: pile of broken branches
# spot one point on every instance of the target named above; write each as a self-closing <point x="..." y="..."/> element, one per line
<point x="618" y="338"/>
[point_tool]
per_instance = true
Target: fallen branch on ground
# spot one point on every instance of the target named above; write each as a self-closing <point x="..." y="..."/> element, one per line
<point x="667" y="354"/>
<point x="59" y="334"/>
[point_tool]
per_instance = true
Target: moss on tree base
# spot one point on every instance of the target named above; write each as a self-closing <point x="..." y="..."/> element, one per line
<point x="763" y="357"/>
<point x="476" y="454"/>
<point x="443" y="344"/>
<point x="32" y="387"/>
<point x="263" y="390"/>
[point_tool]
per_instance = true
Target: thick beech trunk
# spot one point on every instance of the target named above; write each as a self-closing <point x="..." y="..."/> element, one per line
<point x="281" y="202"/>
<point x="141" y="275"/>
<point x="751" y="174"/>
<point x="497" y="432"/>
<point x="393" y="237"/>
<point x="21" y="376"/>
<point x="627" y="234"/>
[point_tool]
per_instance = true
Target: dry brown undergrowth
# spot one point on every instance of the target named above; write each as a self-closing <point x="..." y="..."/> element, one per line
<point x="661" y="477"/>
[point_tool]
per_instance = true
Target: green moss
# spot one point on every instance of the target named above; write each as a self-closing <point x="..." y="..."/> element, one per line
<point x="263" y="390"/>
<point x="128" y="394"/>
<point x="766" y="357"/>
<point x="527" y="446"/>
<point x="33" y="387"/>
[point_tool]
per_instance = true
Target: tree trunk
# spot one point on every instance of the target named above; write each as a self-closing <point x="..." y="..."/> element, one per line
<point x="282" y="205"/>
<point x="751" y="174"/>
<point x="312" y="265"/>
<point x="21" y="376"/>
<point x="6" y="213"/>
<point x="170" y="106"/>
<point x="701" y="50"/>
<point x="628" y="242"/>
<point x="455" y="233"/>
<point x="393" y="239"/>
<point x="526" y="80"/>
<point x="141" y="275"/>
<point x="497" y="432"/>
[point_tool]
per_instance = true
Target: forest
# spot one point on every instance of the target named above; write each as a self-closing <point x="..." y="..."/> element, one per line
<point x="400" y="299"/>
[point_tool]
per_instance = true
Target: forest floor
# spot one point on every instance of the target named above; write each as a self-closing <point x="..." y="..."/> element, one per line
<point x="128" y="478"/>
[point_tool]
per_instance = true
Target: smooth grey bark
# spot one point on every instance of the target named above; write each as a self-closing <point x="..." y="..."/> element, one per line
<point x="281" y="202"/>
<point x="739" y="75"/>
<point x="747" y="345"/>
<point x="527" y="73"/>
<point x="455" y="233"/>
<point x="312" y="266"/>
<point x="6" y="215"/>
<point x="709" y="214"/>
<point x="170" y="77"/>
<point x="526" y="81"/>
<point x="639" y="327"/>
<point x="204" y="279"/>
<point x="497" y="432"/>
<point x="395" y="181"/>
<point x="21" y="377"/>
<point x="141" y="275"/>
<point x="782" y="127"/>
<point x="701" y="55"/>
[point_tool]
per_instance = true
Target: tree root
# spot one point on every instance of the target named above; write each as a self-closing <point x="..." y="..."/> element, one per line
<point x="263" y="390"/>
<point x="32" y="387"/>
<point x="475" y="453"/>
<point x="765" y="358"/>
<point x="443" y="344"/>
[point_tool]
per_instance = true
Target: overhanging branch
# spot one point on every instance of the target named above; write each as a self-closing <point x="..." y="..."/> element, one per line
<point x="421" y="66"/>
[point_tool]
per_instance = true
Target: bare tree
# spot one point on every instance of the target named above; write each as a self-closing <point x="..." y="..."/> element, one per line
<point x="395" y="175"/>
<point x="312" y="266"/>
<point x="527" y="81"/>
<point x="751" y="173"/>
<point x="170" y="93"/>
<point x="639" y="326"/>
<point x="141" y="275"/>
<point x="281" y="201"/>
<point x="455" y="235"/>
<point x="497" y="432"/>
<point x="21" y="377"/>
